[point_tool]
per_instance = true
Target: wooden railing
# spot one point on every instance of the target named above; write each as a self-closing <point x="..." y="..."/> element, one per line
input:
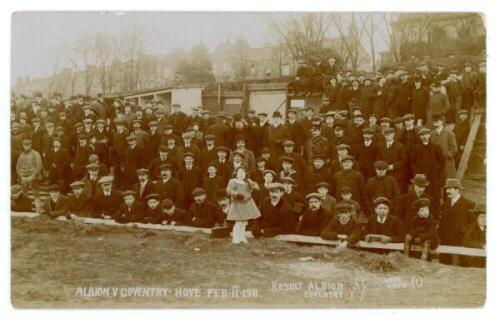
<point x="469" y="145"/>
<point x="453" y="250"/>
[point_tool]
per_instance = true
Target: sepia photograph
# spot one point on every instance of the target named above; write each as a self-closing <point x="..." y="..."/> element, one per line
<point x="163" y="159"/>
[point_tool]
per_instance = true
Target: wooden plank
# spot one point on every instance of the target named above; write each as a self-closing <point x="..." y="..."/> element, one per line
<point x="456" y="250"/>
<point x="464" y="162"/>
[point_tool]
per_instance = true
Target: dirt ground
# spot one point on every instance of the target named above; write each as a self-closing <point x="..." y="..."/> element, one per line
<point x="77" y="265"/>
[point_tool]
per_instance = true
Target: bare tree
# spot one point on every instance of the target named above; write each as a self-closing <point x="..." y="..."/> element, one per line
<point x="351" y="38"/>
<point x="302" y="33"/>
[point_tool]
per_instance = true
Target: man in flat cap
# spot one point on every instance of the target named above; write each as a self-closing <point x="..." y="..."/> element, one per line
<point x="383" y="226"/>
<point x="351" y="178"/>
<point x="221" y="131"/>
<point x="428" y="160"/>
<point x="178" y="118"/>
<point x="446" y="140"/>
<point x="296" y="129"/>
<point x="420" y="101"/>
<point x="469" y="86"/>
<point x="381" y="185"/>
<point x="277" y="134"/>
<point x="203" y="213"/>
<point x="315" y="218"/>
<point x="80" y="203"/>
<point x="438" y="102"/>
<point x="169" y="187"/>
<point x="343" y="227"/>
<point x="248" y="157"/>
<point x="395" y="155"/>
<point x="366" y="153"/>
<point x="144" y="185"/>
<point x="317" y="173"/>
<point x="462" y="129"/>
<point x="82" y="153"/>
<point x="475" y="237"/>
<point x="56" y="205"/>
<point x="163" y="157"/>
<point x="57" y="164"/>
<point x="134" y="160"/>
<point x="299" y="163"/>
<point x="316" y="145"/>
<point x="456" y="216"/>
<point x="277" y="215"/>
<point x="209" y="152"/>
<point x="189" y="174"/>
<point x="107" y="201"/>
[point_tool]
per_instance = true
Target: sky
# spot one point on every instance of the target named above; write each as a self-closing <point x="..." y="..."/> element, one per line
<point x="38" y="37"/>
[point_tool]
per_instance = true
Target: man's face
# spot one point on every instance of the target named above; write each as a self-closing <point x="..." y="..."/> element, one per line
<point x="166" y="173"/>
<point x="288" y="149"/>
<point x="287" y="166"/>
<point x="314" y="204"/>
<point x="106" y="187"/>
<point x="323" y="191"/>
<point x="380" y="172"/>
<point x="423" y="212"/>
<point x="262" y="118"/>
<point x="452" y="192"/>
<point x="212" y="170"/>
<point x="163" y="155"/>
<point x="222" y="154"/>
<point x="425" y="137"/>
<point x="342" y="152"/>
<point x="315" y="132"/>
<point x="199" y="198"/>
<point x="268" y="177"/>
<point x="77" y="190"/>
<point x="438" y="123"/>
<point x="339" y="132"/>
<point x="463" y="117"/>
<point x="346" y="196"/>
<point x="358" y="121"/>
<point x="240" y="144"/>
<point x="292" y="116"/>
<point x="347" y="164"/>
<point x="329" y="120"/>
<point x="382" y="210"/>
<point x="56" y="144"/>
<point x="275" y="194"/>
<point x="129" y="200"/>
<point x="54" y="195"/>
<point x="318" y="163"/>
<point x="419" y="190"/>
<point x="389" y="136"/>
<point x="188" y="160"/>
<point x="142" y="177"/>
<point x="153" y="204"/>
<point x="223" y="202"/>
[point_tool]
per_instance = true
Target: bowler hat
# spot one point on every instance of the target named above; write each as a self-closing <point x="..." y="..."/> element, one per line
<point x="419" y="180"/>
<point x="453" y="183"/>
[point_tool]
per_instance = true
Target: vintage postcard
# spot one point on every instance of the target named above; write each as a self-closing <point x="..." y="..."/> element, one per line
<point x="248" y="160"/>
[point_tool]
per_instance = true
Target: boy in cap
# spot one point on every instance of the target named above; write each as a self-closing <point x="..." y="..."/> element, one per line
<point x="202" y="213"/>
<point x="131" y="209"/>
<point x="277" y="216"/>
<point x="383" y="227"/>
<point x="422" y="229"/>
<point x="287" y="170"/>
<point x="292" y="197"/>
<point x="315" y="217"/>
<point x="171" y="214"/>
<point x="343" y="227"/>
<point x="346" y="197"/>
<point x="56" y="206"/>
<point x="154" y="213"/>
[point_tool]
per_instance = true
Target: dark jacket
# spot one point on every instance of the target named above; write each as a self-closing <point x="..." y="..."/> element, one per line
<point x="454" y="221"/>
<point x="312" y="223"/>
<point x="22" y="204"/>
<point x="392" y="227"/>
<point x="204" y="215"/>
<point x="352" y="229"/>
<point x="275" y="220"/>
<point x="59" y="208"/>
<point x="106" y="205"/>
<point x="136" y="213"/>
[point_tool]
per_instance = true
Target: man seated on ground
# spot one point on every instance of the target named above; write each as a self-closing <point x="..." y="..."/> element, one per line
<point x="79" y="201"/>
<point x="171" y="214"/>
<point x="422" y="229"/>
<point x="475" y="237"/>
<point x="383" y="227"/>
<point x="277" y="215"/>
<point x="56" y="206"/>
<point x="19" y="202"/>
<point x="343" y="226"/>
<point x="154" y="214"/>
<point x="315" y="217"/>
<point x="131" y="210"/>
<point x="202" y="213"/>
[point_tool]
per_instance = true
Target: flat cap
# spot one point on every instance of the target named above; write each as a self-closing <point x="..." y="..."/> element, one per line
<point x="275" y="186"/>
<point x="453" y="183"/>
<point x="313" y="196"/>
<point x="323" y="184"/>
<point x="152" y="196"/>
<point x="129" y="193"/>
<point x="105" y="180"/>
<point x="381" y="164"/>
<point x="77" y="184"/>
<point x="198" y="191"/>
<point x="382" y="200"/>
<point x="142" y="171"/>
